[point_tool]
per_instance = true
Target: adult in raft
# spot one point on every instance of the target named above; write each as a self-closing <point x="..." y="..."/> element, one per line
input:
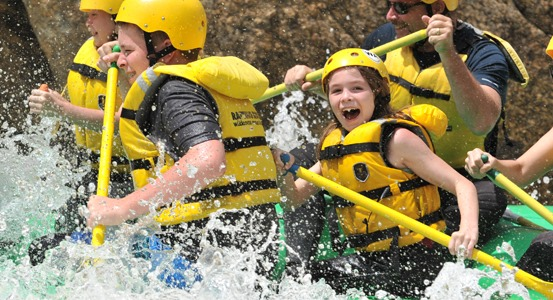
<point x="86" y="91"/>
<point x="388" y="157"/>
<point x="196" y="143"/>
<point x="459" y="70"/>
<point x="526" y="169"/>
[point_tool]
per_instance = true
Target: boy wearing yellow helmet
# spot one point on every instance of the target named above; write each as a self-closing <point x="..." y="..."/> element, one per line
<point x="195" y="141"/>
<point x="456" y="69"/>
<point x="373" y="151"/>
<point x="529" y="167"/>
<point x="86" y="90"/>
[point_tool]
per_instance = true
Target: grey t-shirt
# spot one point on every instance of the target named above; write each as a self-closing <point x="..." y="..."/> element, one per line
<point x="180" y="114"/>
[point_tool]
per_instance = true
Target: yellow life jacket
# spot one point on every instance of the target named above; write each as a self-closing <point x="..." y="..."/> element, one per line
<point x="411" y="86"/>
<point x="357" y="161"/>
<point x="86" y="86"/>
<point x="250" y="177"/>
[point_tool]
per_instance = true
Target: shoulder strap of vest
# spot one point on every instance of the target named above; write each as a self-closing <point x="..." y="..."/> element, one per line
<point x="418" y="91"/>
<point x="517" y="70"/>
<point x="144" y="110"/>
<point x="89" y="72"/>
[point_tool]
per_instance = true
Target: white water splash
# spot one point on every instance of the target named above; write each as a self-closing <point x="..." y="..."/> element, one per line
<point x="291" y="128"/>
<point x="32" y="189"/>
<point x="456" y="282"/>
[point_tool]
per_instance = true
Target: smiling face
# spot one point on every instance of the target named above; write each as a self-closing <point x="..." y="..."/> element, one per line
<point x="101" y="26"/>
<point x="133" y="58"/>
<point x="408" y="22"/>
<point x="351" y="97"/>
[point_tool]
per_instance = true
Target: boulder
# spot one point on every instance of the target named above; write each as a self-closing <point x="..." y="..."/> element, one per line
<point x="274" y="36"/>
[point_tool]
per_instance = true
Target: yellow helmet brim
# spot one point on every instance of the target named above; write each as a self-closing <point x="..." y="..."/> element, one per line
<point x="450" y="4"/>
<point x="549" y="49"/>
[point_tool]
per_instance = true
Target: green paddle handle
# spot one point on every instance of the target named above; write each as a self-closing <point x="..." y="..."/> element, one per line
<point x="513" y="189"/>
<point x="491" y="173"/>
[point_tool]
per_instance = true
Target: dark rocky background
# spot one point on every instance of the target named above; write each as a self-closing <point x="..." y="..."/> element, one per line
<point x="40" y="37"/>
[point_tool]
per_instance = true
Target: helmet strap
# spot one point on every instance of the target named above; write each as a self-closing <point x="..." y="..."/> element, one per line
<point x="154" y="56"/>
<point x="150" y="48"/>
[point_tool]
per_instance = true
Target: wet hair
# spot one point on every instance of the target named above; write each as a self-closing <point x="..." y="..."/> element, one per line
<point x="381" y="90"/>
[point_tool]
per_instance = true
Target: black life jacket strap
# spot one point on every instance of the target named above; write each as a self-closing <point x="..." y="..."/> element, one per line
<point x="362" y="240"/>
<point x="119" y="160"/>
<point x="143" y="163"/>
<point x="233" y="144"/>
<point x="418" y="91"/>
<point x="384" y="192"/>
<point x="232" y="189"/>
<point x="89" y="72"/>
<point x="128" y="114"/>
<point x="337" y="151"/>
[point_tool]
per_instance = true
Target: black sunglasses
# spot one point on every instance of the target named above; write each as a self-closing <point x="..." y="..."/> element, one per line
<point x="403" y="8"/>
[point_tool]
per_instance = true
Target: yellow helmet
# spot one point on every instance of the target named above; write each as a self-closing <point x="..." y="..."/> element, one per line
<point x="451" y="4"/>
<point x="354" y="57"/>
<point x="109" y="6"/>
<point x="184" y="21"/>
<point x="549" y="49"/>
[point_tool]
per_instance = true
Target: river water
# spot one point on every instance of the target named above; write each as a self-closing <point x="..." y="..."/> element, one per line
<point x="32" y="183"/>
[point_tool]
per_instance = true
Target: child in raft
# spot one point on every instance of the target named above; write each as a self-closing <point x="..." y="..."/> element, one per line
<point x="388" y="157"/>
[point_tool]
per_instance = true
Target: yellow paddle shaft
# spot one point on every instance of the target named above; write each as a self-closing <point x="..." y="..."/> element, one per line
<point x="521" y="195"/>
<point x="528" y="280"/>
<point x="316" y="75"/>
<point x="104" y="168"/>
<point x="505" y="183"/>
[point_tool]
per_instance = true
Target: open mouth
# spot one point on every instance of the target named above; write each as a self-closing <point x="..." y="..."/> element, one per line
<point x="351" y="113"/>
<point x="91" y="30"/>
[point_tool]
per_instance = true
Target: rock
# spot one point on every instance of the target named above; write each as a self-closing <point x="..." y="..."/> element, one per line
<point x="275" y="35"/>
<point x="23" y="65"/>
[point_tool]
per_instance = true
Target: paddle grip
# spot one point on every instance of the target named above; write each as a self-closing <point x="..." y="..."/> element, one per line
<point x="492" y="173"/>
<point x="484" y="158"/>
<point x="285" y="157"/>
<point x="116" y="48"/>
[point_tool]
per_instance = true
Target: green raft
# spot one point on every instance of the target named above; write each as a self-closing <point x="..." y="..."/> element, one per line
<point x="517" y="235"/>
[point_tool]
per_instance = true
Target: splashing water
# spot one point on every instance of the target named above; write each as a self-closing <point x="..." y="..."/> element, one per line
<point x="456" y="282"/>
<point x="34" y="178"/>
<point x="290" y="129"/>
<point x="30" y="191"/>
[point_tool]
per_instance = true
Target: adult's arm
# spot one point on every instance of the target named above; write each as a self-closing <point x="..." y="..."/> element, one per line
<point x="478" y="104"/>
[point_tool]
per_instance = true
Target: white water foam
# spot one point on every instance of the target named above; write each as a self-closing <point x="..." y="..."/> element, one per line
<point x="30" y="190"/>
